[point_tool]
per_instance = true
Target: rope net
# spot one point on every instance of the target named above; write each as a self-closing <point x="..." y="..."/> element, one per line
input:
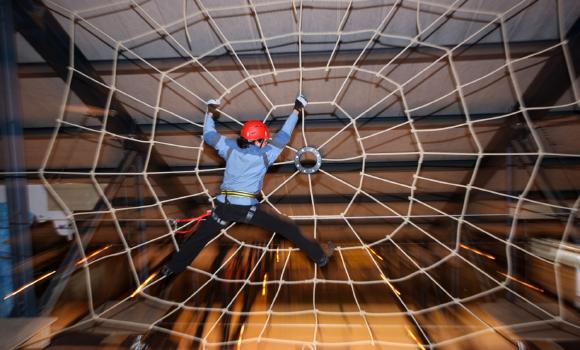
<point x="396" y="104"/>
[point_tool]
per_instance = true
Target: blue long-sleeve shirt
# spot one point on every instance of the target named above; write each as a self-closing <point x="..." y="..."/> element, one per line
<point x="246" y="167"/>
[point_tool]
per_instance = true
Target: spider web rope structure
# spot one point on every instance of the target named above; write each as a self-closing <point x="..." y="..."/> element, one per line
<point x="380" y="298"/>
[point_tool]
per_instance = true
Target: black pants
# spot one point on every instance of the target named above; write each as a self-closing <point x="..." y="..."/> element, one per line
<point x="239" y="213"/>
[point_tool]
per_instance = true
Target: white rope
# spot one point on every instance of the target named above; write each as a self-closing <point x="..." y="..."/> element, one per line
<point x="280" y="284"/>
<point x="350" y="282"/>
<point x="403" y="218"/>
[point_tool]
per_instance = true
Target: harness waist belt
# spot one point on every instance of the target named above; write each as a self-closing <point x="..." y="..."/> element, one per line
<point x="239" y="194"/>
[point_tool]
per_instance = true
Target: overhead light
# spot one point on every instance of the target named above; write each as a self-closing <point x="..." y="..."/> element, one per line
<point x="29" y="285"/>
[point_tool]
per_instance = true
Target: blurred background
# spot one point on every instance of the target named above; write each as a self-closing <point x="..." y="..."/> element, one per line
<point x="450" y="173"/>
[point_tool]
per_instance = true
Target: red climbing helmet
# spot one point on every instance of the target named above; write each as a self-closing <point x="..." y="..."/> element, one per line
<point x="255" y="130"/>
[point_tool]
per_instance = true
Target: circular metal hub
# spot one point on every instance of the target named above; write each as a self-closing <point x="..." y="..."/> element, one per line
<point x="307" y="168"/>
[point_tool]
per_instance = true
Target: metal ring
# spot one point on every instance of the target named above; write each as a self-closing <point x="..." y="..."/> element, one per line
<point x="301" y="167"/>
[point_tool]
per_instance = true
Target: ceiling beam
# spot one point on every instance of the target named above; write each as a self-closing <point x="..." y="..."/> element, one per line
<point x="186" y="170"/>
<point x="314" y="120"/>
<point x="378" y="56"/>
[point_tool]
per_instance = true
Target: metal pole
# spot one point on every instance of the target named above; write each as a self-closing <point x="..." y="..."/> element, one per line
<point x="12" y="148"/>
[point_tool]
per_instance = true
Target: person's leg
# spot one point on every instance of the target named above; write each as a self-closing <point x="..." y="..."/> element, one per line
<point x="289" y="230"/>
<point x="205" y="232"/>
<point x="193" y="245"/>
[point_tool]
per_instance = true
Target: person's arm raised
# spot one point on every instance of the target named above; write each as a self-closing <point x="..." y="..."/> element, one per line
<point x="282" y="137"/>
<point x="210" y="135"/>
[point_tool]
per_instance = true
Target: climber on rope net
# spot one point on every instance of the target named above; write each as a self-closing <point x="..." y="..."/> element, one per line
<point x="247" y="161"/>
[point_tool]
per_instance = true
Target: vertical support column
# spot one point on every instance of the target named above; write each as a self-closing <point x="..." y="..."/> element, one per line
<point x="13" y="159"/>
